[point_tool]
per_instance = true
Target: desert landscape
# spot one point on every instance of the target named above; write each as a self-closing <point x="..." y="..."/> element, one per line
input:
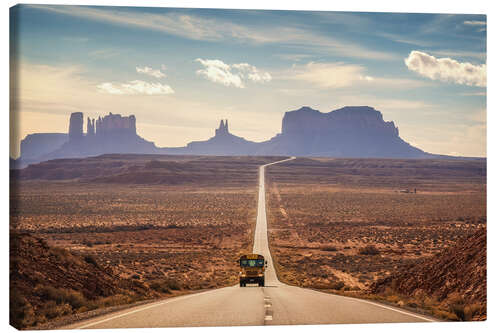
<point x="152" y="147"/>
<point x="171" y="224"/>
<point x="340" y="225"/>
<point x="176" y="224"/>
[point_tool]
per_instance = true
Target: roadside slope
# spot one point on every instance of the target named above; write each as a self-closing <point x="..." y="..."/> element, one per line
<point x="451" y="283"/>
<point x="48" y="282"/>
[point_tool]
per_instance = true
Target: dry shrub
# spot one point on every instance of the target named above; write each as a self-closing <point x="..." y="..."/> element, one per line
<point x="90" y="259"/>
<point x="161" y="286"/>
<point x="330" y="248"/>
<point x="444" y="314"/>
<point x="21" y="312"/>
<point x="456" y="305"/>
<point x="474" y="309"/>
<point x="61" y="296"/>
<point x="369" y="250"/>
<point x="118" y="299"/>
<point x="338" y="285"/>
<point x="53" y="310"/>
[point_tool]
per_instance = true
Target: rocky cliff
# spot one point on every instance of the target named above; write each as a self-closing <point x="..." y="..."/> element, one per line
<point x="110" y="134"/>
<point x="353" y="131"/>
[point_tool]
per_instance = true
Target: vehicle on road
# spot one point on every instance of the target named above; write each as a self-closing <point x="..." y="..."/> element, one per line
<point x="252" y="268"/>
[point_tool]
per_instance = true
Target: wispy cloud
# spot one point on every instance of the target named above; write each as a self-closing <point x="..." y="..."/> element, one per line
<point x="340" y="75"/>
<point x="293" y="57"/>
<point x="231" y="75"/>
<point x="198" y="28"/>
<point x="329" y="75"/>
<point x="104" y="53"/>
<point x="150" y="71"/>
<point x="135" y="87"/>
<point x="479" y="93"/>
<point x="480" y="24"/>
<point x="404" y="39"/>
<point x="458" y="54"/>
<point x="477" y="23"/>
<point x="446" y="69"/>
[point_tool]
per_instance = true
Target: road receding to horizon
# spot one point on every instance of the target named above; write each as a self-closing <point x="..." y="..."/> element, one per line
<point x="274" y="304"/>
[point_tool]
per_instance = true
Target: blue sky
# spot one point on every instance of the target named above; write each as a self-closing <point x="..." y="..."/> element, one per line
<point x="181" y="70"/>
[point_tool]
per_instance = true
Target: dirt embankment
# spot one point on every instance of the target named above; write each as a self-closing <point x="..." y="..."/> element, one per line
<point x="47" y="283"/>
<point x="451" y="283"/>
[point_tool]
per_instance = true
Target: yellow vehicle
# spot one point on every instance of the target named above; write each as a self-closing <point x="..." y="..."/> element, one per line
<point x="252" y="267"/>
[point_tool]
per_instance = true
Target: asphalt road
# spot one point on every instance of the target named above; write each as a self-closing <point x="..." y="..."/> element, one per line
<point x="274" y="304"/>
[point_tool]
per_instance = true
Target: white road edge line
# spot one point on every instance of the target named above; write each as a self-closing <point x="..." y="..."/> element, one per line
<point x="396" y="310"/>
<point x="373" y="303"/>
<point x="144" y="308"/>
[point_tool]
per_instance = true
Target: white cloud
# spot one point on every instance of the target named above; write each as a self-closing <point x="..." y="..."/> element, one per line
<point x="480" y="23"/>
<point x="219" y="72"/>
<point x="328" y="75"/>
<point x="135" y="87"/>
<point x="446" y="69"/>
<point x="151" y="72"/>
<point x="231" y="75"/>
<point x="252" y="72"/>
<point x="340" y="75"/>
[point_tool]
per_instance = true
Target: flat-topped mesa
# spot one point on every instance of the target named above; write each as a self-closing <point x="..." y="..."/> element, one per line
<point x="351" y="131"/>
<point x="349" y="118"/>
<point x="113" y="124"/>
<point x="223" y="128"/>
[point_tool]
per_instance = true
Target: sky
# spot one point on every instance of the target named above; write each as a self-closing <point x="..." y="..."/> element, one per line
<point x="180" y="71"/>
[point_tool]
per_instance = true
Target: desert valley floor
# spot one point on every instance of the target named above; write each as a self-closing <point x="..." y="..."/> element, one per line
<point x="177" y="224"/>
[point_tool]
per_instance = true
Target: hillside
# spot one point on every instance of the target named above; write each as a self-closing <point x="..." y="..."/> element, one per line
<point x="148" y="169"/>
<point x="453" y="281"/>
<point x="47" y="283"/>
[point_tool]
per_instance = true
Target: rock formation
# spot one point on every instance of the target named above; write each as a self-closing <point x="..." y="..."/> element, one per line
<point x="353" y="131"/>
<point x="75" y="126"/>
<point x="114" y="123"/>
<point x="90" y="127"/>
<point x="223" y="128"/>
<point x="38" y="144"/>
<point x="110" y="134"/>
<point x="223" y="143"/>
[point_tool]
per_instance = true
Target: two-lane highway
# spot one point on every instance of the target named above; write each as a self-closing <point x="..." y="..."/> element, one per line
<point x="276" y="303"/>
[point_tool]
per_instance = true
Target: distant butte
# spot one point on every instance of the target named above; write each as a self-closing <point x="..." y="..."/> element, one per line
<point x="351" y="131"/>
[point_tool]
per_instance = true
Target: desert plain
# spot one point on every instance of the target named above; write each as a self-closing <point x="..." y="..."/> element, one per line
<point x="179" y="223"/>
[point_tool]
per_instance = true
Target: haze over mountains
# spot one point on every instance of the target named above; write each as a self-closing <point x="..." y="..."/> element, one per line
<point x="352" y="131"/>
